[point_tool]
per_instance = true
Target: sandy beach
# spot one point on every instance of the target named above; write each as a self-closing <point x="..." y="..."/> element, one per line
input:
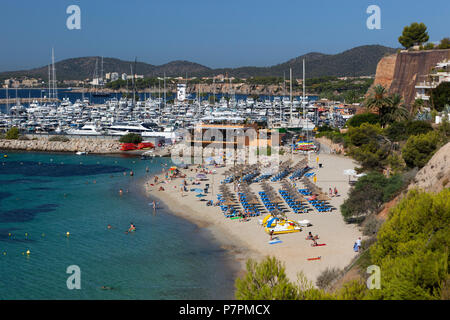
<point x="249" y="240"/>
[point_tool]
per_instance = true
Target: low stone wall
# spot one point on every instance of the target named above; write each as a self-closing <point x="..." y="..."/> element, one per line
<point x="73" y="145"/>
<point x="336" y="147"/>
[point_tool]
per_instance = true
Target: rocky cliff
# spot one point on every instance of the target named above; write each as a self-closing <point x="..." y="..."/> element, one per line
<point x="435" y="176"/>
<point x="400" y="72"/>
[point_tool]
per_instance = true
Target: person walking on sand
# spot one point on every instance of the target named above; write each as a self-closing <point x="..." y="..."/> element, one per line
<point x="330" y="192"/>
<point x="335" y="192"/>
<point x="358" y="244"/>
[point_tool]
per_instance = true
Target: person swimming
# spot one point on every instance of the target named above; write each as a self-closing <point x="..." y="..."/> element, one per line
<point x="132" y="227"/>
<point x="106" y="288"/>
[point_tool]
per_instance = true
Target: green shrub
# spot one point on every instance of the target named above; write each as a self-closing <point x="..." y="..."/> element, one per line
<point x="131" y="138"/>
<point x="412" y="248"/>
<point x="418" y="127"/>
<point x="369" y="146"/>
<point x="358" y="119"/>
<point x="369" y="194"/>
<point x="363" y="134"/>
<point x="371" y="225"/>
<point x="396" y="131"/>
<point x="327" y="277"/>
<point x="59" y="138"/>
<point x="12" y="133"/>
<point x="324" y="128"/>
<point x="352" y="290"/>
<point x="265" y="281"/>
<point x="440" y="96"/>
<point x="419" y="149"/>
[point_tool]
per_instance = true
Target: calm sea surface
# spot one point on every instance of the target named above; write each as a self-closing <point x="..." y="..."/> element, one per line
<point x="43" y="196"/>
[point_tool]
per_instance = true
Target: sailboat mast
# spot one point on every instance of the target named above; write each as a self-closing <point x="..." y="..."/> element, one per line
<point x="7" y="99"/>
<point x="55" y="93"/>
<point x="164" y="89"/>
<point x="49" y="83"/>
<point x="132" y="82"/>
<point x="290" y="94"/>
<point x="214" y="89"/>
<point x="303" y="99"/>
<point x="101" y="73"/>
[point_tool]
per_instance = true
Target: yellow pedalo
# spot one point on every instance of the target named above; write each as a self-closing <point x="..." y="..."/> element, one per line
<point x="280" y="225"/>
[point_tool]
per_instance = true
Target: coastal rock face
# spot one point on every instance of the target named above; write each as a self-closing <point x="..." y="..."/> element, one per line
<point x="385" y="71"/>
<point x="100" y="146"/>
<point x="435" y="176"/>
<point x="399" y="73"/>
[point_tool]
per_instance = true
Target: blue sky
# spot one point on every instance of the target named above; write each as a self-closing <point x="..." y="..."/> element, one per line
<point x="215" y="33"/>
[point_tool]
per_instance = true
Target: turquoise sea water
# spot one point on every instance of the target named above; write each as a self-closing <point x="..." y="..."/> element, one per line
<point x="43" y="196"/>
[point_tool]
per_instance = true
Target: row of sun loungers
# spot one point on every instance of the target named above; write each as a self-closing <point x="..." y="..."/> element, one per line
<point x="271" y="206"/>
<point x="249" y="177"/>
<point x="228" y="210"/>
<point x="262" y="177"/>
<point x="299" y="173"/>
<point x="320" y="204"/>
<point x="250" y="207"/>
<point x="296" y="205"/>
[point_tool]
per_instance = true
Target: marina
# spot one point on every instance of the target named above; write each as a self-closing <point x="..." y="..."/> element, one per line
<point x="156" y="117"/>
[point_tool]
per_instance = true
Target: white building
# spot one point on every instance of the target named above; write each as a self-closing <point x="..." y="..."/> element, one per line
<point x="114" y="76"/>
<point x="440" y="73"/>
<point x="97" y="82"/>
<point x="181" y="91"/>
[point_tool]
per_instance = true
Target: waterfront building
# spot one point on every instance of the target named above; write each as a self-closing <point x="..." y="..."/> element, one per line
<point x="439" y="74"/>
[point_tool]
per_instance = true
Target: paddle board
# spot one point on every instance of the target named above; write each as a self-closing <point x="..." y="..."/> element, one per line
<point x="275" y="241"/>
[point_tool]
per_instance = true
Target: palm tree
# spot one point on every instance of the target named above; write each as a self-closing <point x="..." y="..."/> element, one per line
<point x="395" y="110"/>
<point x="389" y="108"/>
<point x="378" y="99"/>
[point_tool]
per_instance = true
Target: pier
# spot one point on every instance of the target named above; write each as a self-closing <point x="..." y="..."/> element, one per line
<point x="27" y="100"/>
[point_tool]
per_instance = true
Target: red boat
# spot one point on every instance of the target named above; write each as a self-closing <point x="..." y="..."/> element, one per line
<point x="145" y="145"/>
<point x="128" y="146"/>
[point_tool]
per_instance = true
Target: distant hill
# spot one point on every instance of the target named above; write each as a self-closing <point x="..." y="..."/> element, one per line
<point x="358" y="61"/>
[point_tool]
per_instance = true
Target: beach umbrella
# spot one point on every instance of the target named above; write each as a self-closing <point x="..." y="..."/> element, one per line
<point x="198" y="190"/>
<point x="350" y="172"/>
<point x="229" y="203"/>
<point x="173" y="168"/>
<point x="360" y="175"/>
<point x="201" y="176"/>
<point x="200" y="195"/>
<point x="323" y="197"/>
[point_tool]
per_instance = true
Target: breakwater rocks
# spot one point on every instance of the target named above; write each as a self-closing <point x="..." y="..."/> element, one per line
<point x="100" y="146"/>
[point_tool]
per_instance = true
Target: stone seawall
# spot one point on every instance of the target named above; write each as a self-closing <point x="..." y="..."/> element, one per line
<point x="73" y="145"/>
<point x="401" y="72"/>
